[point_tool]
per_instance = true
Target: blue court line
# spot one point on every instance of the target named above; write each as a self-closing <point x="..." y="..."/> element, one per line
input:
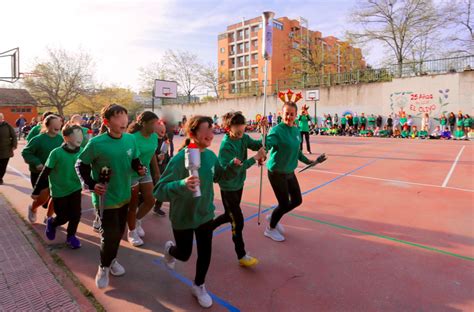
<point x="188" y="282"/>
<point x="228" y="227"/>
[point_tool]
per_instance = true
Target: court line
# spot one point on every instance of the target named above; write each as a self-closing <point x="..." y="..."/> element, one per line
<point x="394" y="181"/>
<point x="188" y="282"/>
<point x="228" y="227"/>
<point x="372" y="234"/>
<point x="446" y="180"/>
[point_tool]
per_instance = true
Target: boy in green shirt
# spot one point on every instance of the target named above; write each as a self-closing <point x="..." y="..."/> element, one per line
<point x="371" y="121"/>
<point x="118" y="152"/>
<point x="37" y="129"/>
<point x="193" y="216"/>
<point x="303" y="124"/>
<point x="64" y="185"/>
<point x="235" y="145"/>
<point x="363" y="121"/>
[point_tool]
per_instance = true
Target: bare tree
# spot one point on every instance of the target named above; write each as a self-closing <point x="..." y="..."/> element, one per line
<point x="184" y="67"/>
<point x="210" y="78"/>
<point x="149" y="74"/>
<point x="462" y="20"/>
<point x="398" y="24"/>
<point x="60" y="79"/>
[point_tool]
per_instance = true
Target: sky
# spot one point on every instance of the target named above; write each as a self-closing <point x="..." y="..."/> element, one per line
<point x="124" y="35"/>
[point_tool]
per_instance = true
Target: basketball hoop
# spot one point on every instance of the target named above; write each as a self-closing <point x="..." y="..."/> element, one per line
<point x="311" y="98"/>
<point x="166" y="93"/>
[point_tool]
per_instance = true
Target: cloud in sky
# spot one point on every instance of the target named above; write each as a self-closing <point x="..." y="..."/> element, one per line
<point x="123" y="35"/>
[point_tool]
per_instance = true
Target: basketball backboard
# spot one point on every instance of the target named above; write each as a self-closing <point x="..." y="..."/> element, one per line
<point x="165" y="89"/>
<point x="312" y="95"/>
<point x="10" y="65"/>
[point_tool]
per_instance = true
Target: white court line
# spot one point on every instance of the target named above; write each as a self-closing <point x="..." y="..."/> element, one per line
<point x="19" y="172"/>
<point x="446" y="180"/>
<point x="394" y="181"/>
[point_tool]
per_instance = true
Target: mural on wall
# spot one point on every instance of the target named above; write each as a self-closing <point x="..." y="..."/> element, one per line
<point x="417" y="104"/>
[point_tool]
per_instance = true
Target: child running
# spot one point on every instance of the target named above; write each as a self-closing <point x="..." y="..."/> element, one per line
<point x="143" y="129"/>
<point x="193" y="216"/>
<point x="234" y="145"/>
<point x="117" y="151"/>
<point x="35" y="155"/>
<point x="64" y="185"/>
<point x="163" y="157"/>
<point x="283" y="144"/>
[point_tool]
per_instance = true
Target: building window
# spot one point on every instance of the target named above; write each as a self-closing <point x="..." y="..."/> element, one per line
<point x="247" y="46"/>
<point x="232" y="61"/>
<point x="278" y="25"/>
<point x="255" y="43"/>
<point x="246" y="32"/>
<point x="222" y="63"/>
<point x="222" y="50"/>
<point x="254" y="28"/>
<point x="239" y="34"/>
<point x="296" y="45"/>
<point x="255" y="56"/>
<point x="247" y="58"/>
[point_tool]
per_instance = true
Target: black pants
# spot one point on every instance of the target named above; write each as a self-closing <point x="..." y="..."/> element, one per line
<point x="305" y="134"/>
<point x="3" y="167"/>
<point x="34" y="177"/>
<point x="184" y="247"/>
<point x="233" y="214"/>
<point x="288" y="193"/>
<point x="113" y="226"/>
<point x="68" y="209"/>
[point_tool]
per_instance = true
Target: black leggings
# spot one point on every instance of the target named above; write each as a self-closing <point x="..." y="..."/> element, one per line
<point x="233" y="214"/>
<point x="68" y="209"/>
<point x="113" y="226"/>
<point x="184" y="247"/>
<point x="305" y="134"/>
<point x="288" y="193"/>
<point x="34" y="177"/>
<point x="3" y="166"/>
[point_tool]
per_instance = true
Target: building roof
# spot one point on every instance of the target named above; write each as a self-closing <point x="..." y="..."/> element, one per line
<point x="16" y="97"/>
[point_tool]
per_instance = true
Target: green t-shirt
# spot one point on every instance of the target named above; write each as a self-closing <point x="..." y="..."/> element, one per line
<point x="443" y="121"/>
<point x="460" y="122"/>
<point x="146" y="148"/>
<point x="383" y="133"/>
<point x="343" y="121"/>
<point x="355" y="120"/>
<point x="403" y="121"/>
<point x="405" y="134"/>
<point x="458" y="133"/>
<point x="36" y="151"/>
<point x="303" y="123"/>
<point x="363" y="120"/>
<point x="468" y="122"/>
<point x="33" y="132"/>
<point x="283" y="142"/>
<point x="231" y="149"/>
<point x="85" y="136"/>
<point x="117" y="154"/>
<point x="63" y="179"/>
<point x="371" y="121"/>
<point x="422" y="133"/>
<point x="187" y="212"/>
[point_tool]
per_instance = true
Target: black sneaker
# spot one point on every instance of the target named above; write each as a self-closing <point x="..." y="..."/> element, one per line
<point x="157" y="211"/>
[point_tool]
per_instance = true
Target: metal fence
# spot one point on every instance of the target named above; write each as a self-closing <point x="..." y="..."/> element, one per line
<point x="368" y="75"/>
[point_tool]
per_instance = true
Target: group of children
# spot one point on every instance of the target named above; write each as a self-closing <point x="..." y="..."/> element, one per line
<point x="128" y="172"/>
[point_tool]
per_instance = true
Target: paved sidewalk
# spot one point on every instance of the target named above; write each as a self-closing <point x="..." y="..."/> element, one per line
<point x="26" y="283"/>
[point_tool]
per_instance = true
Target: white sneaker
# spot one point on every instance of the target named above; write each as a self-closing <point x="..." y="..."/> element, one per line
<point x="170" y="261"/>
<point x="278" y="227"/>
<point x="134" y="239"/>
<point x="274" y="234"/>
<point x="96" y="224"/>
<point x="202" y="296"/>
<point x="116" y="269"/>
<point x="139" y="229"/>
<point x="31" y="214"/>
<point x="102" y="277"/>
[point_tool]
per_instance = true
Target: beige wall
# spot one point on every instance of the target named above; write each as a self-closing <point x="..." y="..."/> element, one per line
<point x="415" y="95"/>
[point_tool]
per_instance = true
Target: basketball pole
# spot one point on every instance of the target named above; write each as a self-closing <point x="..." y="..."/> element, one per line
<point x="267" y="23"/>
